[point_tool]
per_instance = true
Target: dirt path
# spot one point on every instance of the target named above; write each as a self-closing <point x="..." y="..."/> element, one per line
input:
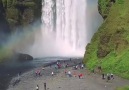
<point x="60" y="81"/>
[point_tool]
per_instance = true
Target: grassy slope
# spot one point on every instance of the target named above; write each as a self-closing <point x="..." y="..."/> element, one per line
<point x="115" y="30"/>
<point x="123" y="88"/>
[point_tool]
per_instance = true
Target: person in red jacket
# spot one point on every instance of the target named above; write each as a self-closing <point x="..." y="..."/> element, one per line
<point x="80" y="76"/>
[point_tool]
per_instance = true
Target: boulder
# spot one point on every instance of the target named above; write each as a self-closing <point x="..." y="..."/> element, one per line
<point x="23" y="57"/>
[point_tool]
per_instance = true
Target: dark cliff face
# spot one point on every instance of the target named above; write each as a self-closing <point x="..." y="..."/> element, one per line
<point x="21" y="12"/>
<point x="15" y="15"/>
<point x="37" y="9"/>
<point x="4" y="25"/>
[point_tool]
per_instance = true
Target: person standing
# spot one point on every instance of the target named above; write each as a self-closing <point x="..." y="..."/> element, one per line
<point x="103" y="76"/>
<point x="76" y="67"/>
<point x="52" y="73"/>
<point x="112" y="76"/>
<point x="82" y="66"/>
<point x="45" y="88"/>
<point x="100" y="69"/>
<point x="70" y="59"/>
<point x="69" y="73"/>
<point x="37" y="87"/>
<point x="18" y="77"/>
<point x="80" y="75"/>
<point x="108" y="77"/>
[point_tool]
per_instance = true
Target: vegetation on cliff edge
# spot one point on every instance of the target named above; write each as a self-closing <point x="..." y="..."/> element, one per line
<point x="109" y="47"/>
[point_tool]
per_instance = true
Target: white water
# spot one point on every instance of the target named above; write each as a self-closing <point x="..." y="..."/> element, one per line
<point x="67" y="26"/>
<point x="69" y="35"/>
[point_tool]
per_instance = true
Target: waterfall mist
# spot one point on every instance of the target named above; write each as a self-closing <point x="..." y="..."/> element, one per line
<point x="67" y="27"/>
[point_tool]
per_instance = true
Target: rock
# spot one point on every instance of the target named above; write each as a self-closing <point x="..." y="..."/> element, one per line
<point x="23" y="57"/>
<point x="102" y="52"/>
<point x="113" y="1"/>
<point x="105" y="39"/>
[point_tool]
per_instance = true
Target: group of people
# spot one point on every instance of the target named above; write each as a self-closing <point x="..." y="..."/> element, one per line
<point x="108" y="76"/>
<point x="45" y="88"/>
<point x="81" y="66"/>
<point x="59" y="65"/>
<point x="73" y="74"/>
<point x="38" y="72"/>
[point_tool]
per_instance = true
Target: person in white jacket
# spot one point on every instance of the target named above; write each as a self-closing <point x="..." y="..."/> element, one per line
<point x="37" y="87"/>
<point x="52" y="73"/>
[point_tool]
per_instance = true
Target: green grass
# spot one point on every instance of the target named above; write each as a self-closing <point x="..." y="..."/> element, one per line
<point x="123" y="88"/>
<point x="104" y="7"/>
<point x="116" y="27"/>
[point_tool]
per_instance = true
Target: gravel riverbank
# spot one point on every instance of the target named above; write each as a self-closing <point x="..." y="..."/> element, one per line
<point x="60" y="81"/>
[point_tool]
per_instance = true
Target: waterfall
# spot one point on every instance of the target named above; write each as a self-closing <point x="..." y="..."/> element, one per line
<point x="67" y="27"/>
<point x="64" y="21"/>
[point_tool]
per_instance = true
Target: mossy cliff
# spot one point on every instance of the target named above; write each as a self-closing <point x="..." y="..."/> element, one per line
<point x="21" y="12"/>
<point x="109" y="47"/>
<point x="4" y="25"/>
<point x="14" y="16"/>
